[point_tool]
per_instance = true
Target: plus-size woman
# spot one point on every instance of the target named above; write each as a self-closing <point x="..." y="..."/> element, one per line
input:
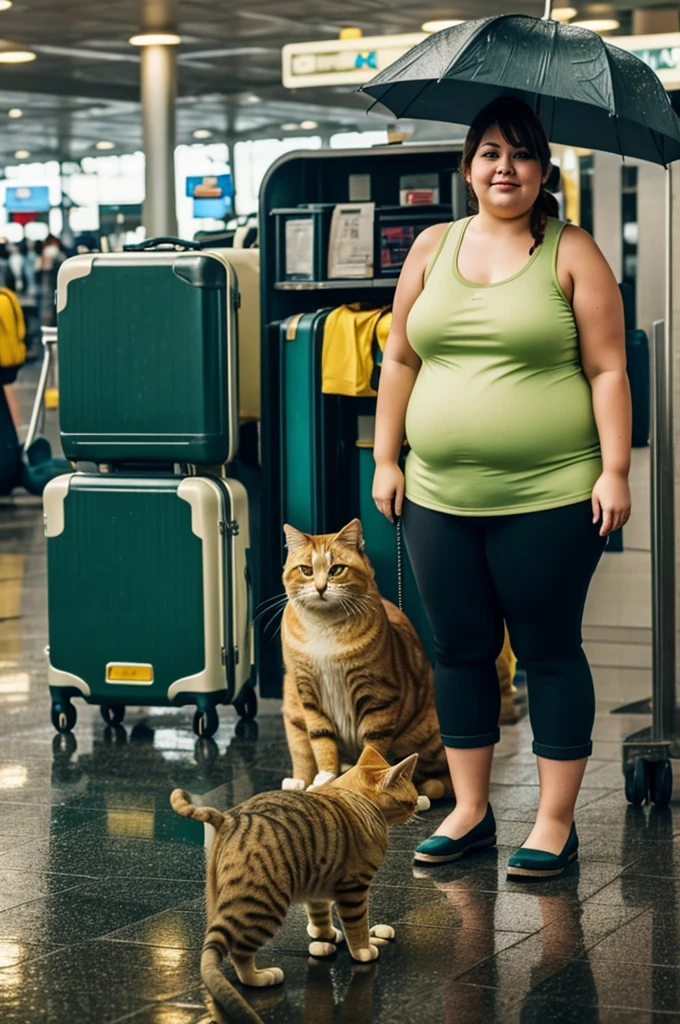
<point x="505" y="368"/>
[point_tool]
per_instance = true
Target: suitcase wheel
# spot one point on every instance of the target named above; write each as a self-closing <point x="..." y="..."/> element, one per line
<point x="113" y="714"/>
<point x="637" y="783"/>
<point x="206" y="722"/>
<point x="246" y="704"/>
<point x="64" y="716"/>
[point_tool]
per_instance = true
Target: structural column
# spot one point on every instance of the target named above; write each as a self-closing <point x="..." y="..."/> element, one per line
<point x="158" y="95"/>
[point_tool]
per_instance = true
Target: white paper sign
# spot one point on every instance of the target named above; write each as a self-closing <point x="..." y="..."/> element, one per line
<point x="352" y="242"/>
<point x="300" y="247"/>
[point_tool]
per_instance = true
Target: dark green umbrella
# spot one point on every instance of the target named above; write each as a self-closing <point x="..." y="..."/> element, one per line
<point x="587" y="92"/>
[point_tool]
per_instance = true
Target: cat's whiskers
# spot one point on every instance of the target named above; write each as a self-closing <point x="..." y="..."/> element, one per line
<point x="275" y="608"/>
<point x="272" y="600"/>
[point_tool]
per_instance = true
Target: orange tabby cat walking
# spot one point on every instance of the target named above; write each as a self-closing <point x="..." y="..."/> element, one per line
<point x="356" y="671"/>
<point x="277" y="849"/>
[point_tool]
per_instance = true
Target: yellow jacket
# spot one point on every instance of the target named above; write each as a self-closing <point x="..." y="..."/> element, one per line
<point x="351" y="335"/>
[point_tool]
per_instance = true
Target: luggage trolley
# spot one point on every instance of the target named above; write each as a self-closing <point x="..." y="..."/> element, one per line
<point x="48" y="372"/>
<point x="647" y="754"/>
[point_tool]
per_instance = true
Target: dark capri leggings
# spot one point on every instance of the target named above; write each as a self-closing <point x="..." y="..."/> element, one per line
<point x="532" y="569"/>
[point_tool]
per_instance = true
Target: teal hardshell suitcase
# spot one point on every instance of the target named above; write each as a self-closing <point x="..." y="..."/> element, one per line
<point x="304" y="424"/>
<point x="148" y="356"/>
<point x="148" y="594"/>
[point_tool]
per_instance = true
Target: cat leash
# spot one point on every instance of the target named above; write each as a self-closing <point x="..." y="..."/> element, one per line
<point x="400" y="567"/>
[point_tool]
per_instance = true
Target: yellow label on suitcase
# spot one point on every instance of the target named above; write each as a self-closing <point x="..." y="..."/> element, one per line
<point x="129" y="673"/>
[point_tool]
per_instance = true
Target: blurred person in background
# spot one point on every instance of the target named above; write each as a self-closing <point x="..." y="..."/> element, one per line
<point x="47" y="268"/>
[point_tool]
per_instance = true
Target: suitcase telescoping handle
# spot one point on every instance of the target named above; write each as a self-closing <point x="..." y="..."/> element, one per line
<point x="153" y="244"/>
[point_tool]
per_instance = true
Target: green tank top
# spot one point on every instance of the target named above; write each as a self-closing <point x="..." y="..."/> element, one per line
<point x="500" y="419"/>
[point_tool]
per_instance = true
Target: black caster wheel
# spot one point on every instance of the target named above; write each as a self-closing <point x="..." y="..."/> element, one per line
<point x="637" y="782"/>
<point x="246" y="705"/>
<point x="206" y="723"/>
<point x="661" y="783"/>
<point x="113" y="714"/>
<point x="64" y="716"/>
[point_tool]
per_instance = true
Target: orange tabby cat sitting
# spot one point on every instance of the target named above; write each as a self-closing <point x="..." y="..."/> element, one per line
<point x="277" y="849"/>
<point x="356" y="671"/>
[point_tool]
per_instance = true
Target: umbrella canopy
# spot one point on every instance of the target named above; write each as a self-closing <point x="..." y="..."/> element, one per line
<point x="585" y="91"/>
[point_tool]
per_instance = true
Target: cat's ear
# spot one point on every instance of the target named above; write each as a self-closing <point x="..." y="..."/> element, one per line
<point x="295" y="540"/>
<point x="352" y="536"/>
<point x="403" y="770"/>
<point x="370" y="758"/>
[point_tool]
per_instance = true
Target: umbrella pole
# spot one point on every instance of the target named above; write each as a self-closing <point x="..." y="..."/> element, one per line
<point x="547" y="13"/>
<point x="662" y="507"/>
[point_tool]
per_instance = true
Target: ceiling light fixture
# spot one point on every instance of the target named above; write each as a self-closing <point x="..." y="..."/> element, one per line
<point x="250" y="97"/>
<point x="564" y="13"/>
<point x="15" y="56"/>
<point x="5" y="5"/>
<point x="308" y="125"/>
<point x="202" y="133"/>
<point x="598" y="24"/>
<point x="22" y="154"/>
<point x="290" y="126"/>
<point x="439" y="26"/>
<point x="15" y="112"/>
<point x="104" y="144"/>
<point x="155" y="39"/>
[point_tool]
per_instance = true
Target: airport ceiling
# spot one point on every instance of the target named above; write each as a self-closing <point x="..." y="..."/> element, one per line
<point x="84" y="85"/>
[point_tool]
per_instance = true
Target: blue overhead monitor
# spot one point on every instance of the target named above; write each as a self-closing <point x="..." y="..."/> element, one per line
<point x="27" y="199"/>
<point x="210" y="186"/>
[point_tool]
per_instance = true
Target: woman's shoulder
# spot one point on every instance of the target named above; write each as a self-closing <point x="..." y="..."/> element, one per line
<point x="576" y="242"/>
<point x="429" y="240"/>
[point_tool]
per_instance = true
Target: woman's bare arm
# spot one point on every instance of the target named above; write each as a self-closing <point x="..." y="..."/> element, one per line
<point x="598" y="311"/>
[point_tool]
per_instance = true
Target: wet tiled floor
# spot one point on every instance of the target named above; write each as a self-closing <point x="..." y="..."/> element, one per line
<point x="101" y="907"/>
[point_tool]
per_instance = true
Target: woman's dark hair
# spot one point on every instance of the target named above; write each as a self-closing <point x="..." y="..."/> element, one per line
<point x="519" y="126"/>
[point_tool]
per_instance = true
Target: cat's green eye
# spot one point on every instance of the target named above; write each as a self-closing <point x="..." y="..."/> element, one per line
<point x="306" y="570"/>
<point x="336" y="570"/>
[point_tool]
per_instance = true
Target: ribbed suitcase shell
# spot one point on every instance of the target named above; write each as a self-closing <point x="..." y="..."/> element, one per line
<point x="148" y="571"/>
<point x="148" y="357"/>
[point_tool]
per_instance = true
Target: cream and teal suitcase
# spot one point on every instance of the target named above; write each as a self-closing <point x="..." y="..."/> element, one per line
<point x="148" y="355"/>
<point x="148" y="595"/>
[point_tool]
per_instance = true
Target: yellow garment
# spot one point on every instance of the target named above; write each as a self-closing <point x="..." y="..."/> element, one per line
<point x="12" y="330"/>
<point x="506" y="665"/>
<point x="347" y="359"/>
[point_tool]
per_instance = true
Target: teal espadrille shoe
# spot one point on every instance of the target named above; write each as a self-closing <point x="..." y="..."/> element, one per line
<point x="442" y="850"/>
<point x="539" y="864"/>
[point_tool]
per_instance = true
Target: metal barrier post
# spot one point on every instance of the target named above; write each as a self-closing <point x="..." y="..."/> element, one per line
<point x="663" y="536"/>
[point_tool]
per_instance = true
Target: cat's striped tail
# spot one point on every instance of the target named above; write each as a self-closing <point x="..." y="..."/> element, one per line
<point x="229" y="1006"/>
<point x="180" y="802"/>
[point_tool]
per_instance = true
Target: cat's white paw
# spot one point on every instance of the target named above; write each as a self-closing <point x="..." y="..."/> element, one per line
<point x="423" y="803"/>
<point x="321" y="949"/>
<point x="293" y="784"/>
<point x="382" y="931"/>
<point x="264" y="978"/>
<point x="313" y="933"/>
<point x="370" y="952"/>
<point x="321" y="778"/>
